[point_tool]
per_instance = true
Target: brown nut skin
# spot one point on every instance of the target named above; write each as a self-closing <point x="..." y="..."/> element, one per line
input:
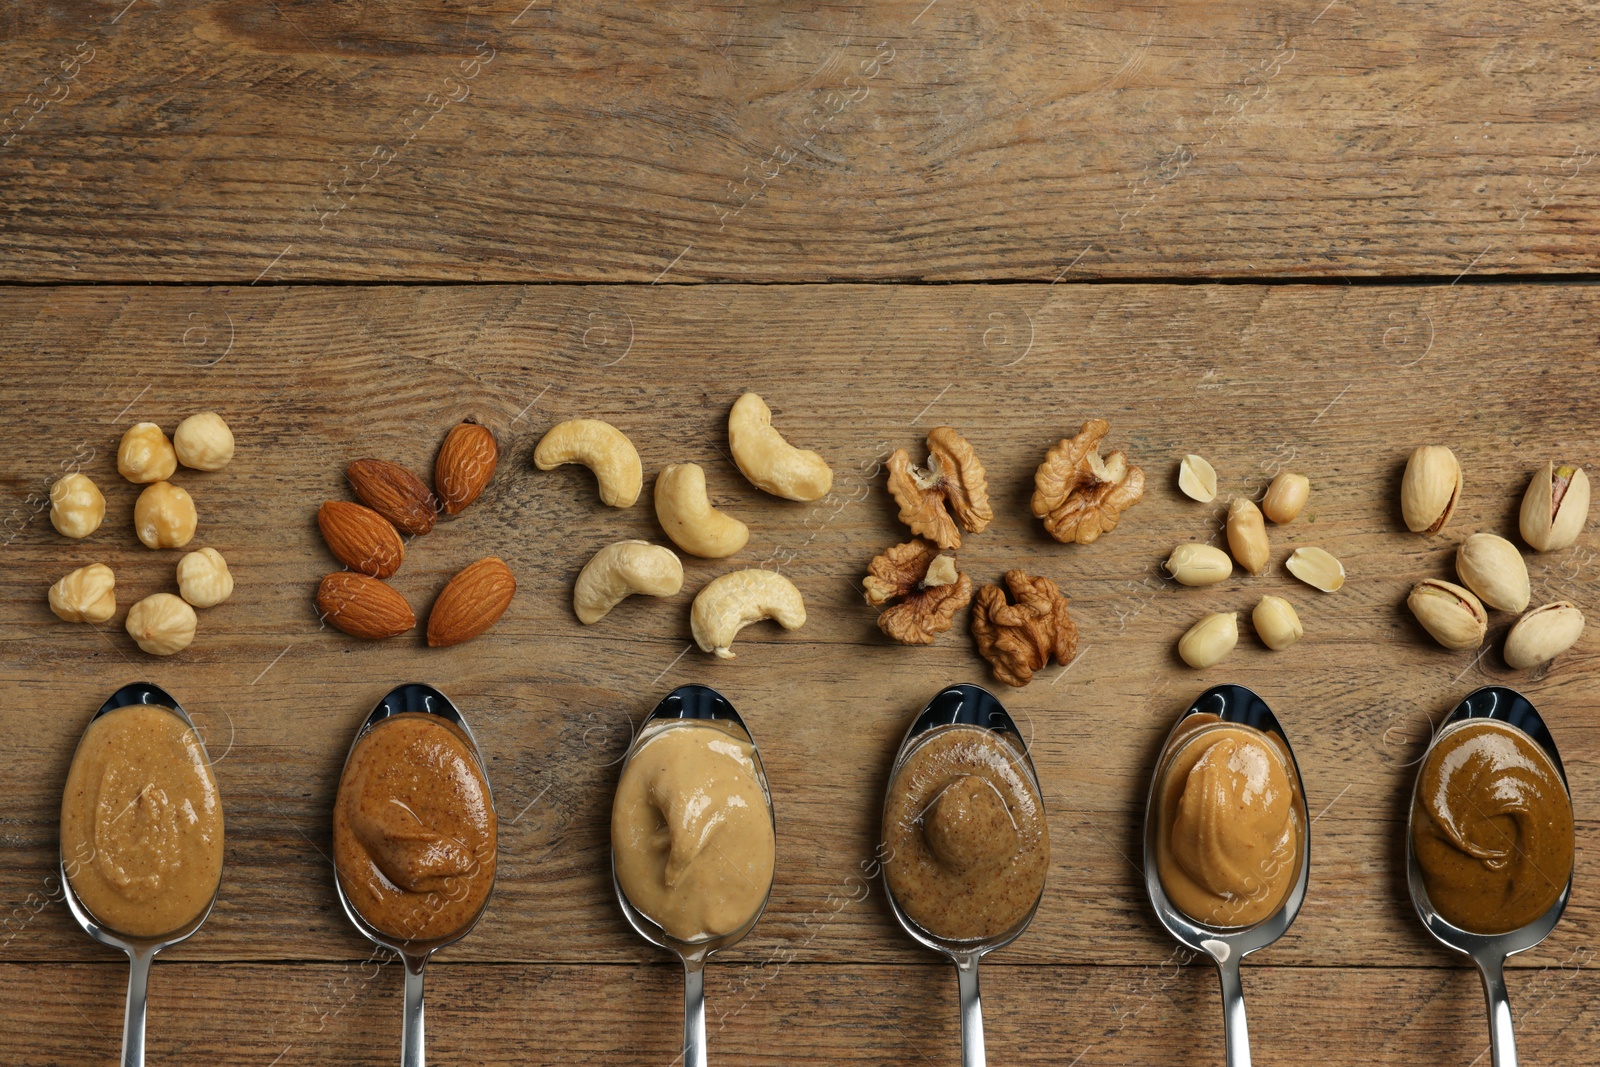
<point x="472" y="602"/>
<point x="360" y="538"/>
<point x="918" y="611"/>
<point x="466" y="463"/>
<point x="363" y="607"/>
<point x="954" y="480"/>
<point x="395" y="493"/>
<point x="1078" y="494"/>
<point x="1019" y="639"/>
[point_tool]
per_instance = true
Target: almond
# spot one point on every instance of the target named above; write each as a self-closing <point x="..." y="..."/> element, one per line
<point x="363" y="607"/>
<point x="465" y="465"/>
<point x="360" y="538"/>
<point x="395" y="493"/>
<point x="471" y="602"/>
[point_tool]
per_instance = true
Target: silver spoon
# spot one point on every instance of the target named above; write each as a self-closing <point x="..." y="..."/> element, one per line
<point x="141" y="950"/>
<point x="689" y="703"/>
<point x="1227" y="946"/>
<point x="413" y="698"/>
<point x="1490" y="951"/>
<point x="964" y="705"/>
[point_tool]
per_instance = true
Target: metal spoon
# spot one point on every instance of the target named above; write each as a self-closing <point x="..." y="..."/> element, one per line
<point x="964" y="705"/>
<point x="685" y="704"/>
<point x="414" y="698"/>
<point x="141" y="950"/>
<point x="1489" y="951"/>
<point x="1227" y="946"/>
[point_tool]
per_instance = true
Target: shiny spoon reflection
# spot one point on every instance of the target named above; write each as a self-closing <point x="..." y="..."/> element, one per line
<point x="1489" y="951"/>
<point x="1226" y="946"/>
<point x="702" y="704"/>
<point x="141" y="950"/>
<point x="414" y="698"/>
<point x="963" y="705"/>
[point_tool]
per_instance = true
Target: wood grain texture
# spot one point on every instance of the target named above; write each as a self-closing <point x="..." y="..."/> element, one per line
<point x="1337" y="383"/>
<point x="611" y="141"/>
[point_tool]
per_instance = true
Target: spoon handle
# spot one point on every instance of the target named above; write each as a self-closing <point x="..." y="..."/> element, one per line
<point x="694" y="1013"/>
<point x="972" y="1051"/>
<point x="1238" y="1033"/>
<point x="133" y="1016"/>
<point x="1502" y="1035"/>
<point x="412" y="1052"/>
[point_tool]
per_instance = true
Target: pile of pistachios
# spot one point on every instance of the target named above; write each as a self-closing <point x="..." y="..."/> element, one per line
<point x="1555" y="509"/>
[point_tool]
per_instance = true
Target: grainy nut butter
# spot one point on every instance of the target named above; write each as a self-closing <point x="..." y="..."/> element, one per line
<point x="965" y="829"/>
<point x="1228" y="835"/>
<point x="414" y="831"/>
<point x="1491" y="828"/>
<point x="141" y="822"/>
<point x="691" y="833"/>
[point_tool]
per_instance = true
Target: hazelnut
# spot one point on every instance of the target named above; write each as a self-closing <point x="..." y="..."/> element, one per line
<point x="76" y="506"/>
<point x="164" y="517"/>
<point x="203" y="442"/>
<point x="161" y="624"/>
<point x="145" y="454"/>
<point x="204" y="579"/>
<point x="88" y="594"/>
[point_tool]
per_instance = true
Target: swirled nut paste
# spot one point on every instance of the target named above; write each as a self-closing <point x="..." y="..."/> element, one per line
<point x="1491" y="828"/>
<point x="141" y="822"/>
<point x="414" y="830"/>
<point x="691" y="833"/>
<point x="1229" y="831"/>
<point x="965" y="830"/>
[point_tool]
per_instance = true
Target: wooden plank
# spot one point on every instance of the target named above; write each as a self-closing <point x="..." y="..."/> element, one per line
<point x="1150" y="1012"/>
<point x="1338" y="383"/>
<point x="902" y="140"/>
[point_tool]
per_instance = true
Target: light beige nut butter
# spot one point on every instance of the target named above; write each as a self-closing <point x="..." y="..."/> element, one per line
<point x="414" y="829"/>
<point x="141" y="822"/>
<point x="965" y="832"/>
<point x="1228" y="834"/>
<point x="1491" y="828"/>
<point x="691" y="832"/>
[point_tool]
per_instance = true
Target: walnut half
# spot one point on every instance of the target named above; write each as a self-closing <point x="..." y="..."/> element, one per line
<point x="921" y="587"/>
<point x="1019" y="639"/>
<point x="953" y="478"/>
<point x="1079" y="495"/>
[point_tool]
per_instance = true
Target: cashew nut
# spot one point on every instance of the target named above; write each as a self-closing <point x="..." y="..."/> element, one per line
<point x="620" y="570"/>
<point x="772" y="464"/>
<point x="685" y="512"/>
<point x="602" y="448"/>
<point x="730" y="603"/>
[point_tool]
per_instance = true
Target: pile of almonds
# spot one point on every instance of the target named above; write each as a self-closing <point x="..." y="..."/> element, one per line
<point x="365" y="537"/>
<point x="1555" y="509"/>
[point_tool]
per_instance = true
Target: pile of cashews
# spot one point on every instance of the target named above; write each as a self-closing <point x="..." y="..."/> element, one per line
<point x="728" y="603"/>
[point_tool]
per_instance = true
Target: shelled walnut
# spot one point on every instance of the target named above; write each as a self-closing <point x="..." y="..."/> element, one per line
<point x="1019" y="639"/>
<point x="1078" y="494"/>
<point x="921" y="588"/>
<point x="953" y="480"/>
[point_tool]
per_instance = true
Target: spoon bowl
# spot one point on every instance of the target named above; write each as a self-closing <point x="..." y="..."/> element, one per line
<point x="141" y="950"/>
<point x="963" y="706"/>
<point x="1489" y="951"/>
<point x="704" y="706"/>
<point x="411" y="699"/>
<point x="1226" y="946"/>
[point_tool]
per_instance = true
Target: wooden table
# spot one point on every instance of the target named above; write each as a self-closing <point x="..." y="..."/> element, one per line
<point x="1306" y="238"/>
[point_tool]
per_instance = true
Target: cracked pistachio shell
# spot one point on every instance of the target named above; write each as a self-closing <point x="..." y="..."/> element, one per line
<point x="1197" y="479"/>
<point x="1555" y="508"/>
<point x="1493" y="568"/>
<point x="1192" y="563"/>
<point x="1430" y="488"/>
<point x="1543" y="634"/>
<point x="1453" y="615"/>
<point x="1210" y="640"/>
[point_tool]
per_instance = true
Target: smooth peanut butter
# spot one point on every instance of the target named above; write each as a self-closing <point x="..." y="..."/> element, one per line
<point x="965" y="829"/>
<point x="414" y="830"/>
<point x="1229" y="833"/>
<point x="1491" y="828"/>
<point x="691" y="832"/>
<point x="141" y="822"/>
